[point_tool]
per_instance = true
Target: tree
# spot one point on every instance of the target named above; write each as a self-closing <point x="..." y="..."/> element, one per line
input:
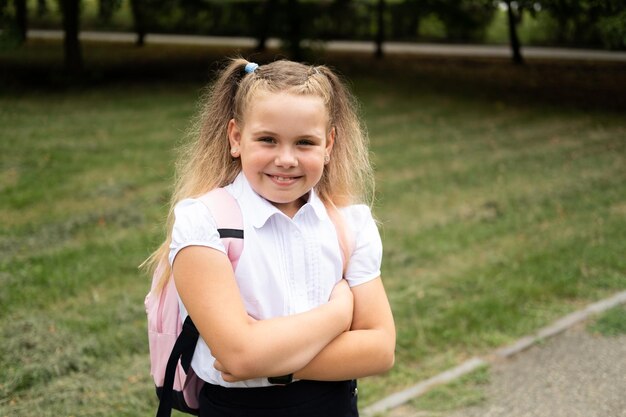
<point x="405" y="18"/>
<point x="294" y="36"/>
<point x="513" y="17"/>
<point x="21" y="20"/>
<point x="612" y="28"/>
<point x="42" y="8"/>
<point x="380" y="28"/>
<point x="138" y="11"/>
<point x="146" y="14"/>
<point x="71" y="22"/>
<point x="265" y="23"/>
<point x="588" y="22"/>
<point x="463" y="19"/>
<point x="106" y="8"/>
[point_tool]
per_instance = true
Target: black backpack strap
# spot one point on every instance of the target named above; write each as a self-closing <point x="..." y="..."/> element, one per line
<point x="190" y="344"/>
<point x="233" y="233"/>
<point x="183" y="350"/>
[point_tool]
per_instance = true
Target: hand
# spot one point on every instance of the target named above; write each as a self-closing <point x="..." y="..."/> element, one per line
<point x="342" y="295"/>
<point x="226" y="376"/>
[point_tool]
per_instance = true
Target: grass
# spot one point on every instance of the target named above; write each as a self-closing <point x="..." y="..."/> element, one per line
<point x="466" y="391"/>
<point x="610" y="323"/>
<point x="499" y="211"/>
<point x="496" y="219"/>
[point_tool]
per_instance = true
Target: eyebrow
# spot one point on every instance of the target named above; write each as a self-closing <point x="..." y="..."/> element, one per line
<point x="270" y="133"/>
<point x="264" y="132"/>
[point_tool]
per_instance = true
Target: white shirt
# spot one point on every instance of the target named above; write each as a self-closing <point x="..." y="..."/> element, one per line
<point x="287" y="266"/>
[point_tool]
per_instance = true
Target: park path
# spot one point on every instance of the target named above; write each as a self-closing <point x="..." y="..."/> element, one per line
<point x="486" y="51"/>
<point x="575" y="374"/>
<point x="560" y="370"/>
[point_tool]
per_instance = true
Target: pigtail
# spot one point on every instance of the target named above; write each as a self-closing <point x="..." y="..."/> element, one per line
<point x="204" y="163"/>
<point x="348" y="177"/>
<point x="346" y="242"/>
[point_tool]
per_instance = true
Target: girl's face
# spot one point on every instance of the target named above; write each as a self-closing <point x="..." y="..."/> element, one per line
<point x="282" y="145"/>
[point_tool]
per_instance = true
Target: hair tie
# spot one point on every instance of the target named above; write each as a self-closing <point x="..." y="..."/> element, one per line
<point x="251" y="67"/>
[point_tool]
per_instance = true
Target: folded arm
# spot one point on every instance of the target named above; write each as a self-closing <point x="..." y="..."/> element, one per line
<point x="248" y="348"/>
<point x="367" y="349"/>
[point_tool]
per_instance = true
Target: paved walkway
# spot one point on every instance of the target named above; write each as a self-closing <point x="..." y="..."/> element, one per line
<point x="502" y="51"/>
<point x="575" y="374"/>
<point x="537" y="375"/>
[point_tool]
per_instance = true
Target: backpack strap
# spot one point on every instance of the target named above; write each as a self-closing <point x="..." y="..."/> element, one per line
<point x="183" y="349"/>
<point x="227" y="215"/>
<point x="346" y="240"/>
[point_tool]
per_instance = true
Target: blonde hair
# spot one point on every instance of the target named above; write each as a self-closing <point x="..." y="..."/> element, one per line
<point x="205" y="162"/>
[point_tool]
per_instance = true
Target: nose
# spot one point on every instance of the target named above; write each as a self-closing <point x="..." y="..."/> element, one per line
<point x="286" y="157"/>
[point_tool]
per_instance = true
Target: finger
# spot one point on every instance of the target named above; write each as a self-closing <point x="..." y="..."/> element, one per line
<point x="228" y="377"/>
<point x="217" y="365"/>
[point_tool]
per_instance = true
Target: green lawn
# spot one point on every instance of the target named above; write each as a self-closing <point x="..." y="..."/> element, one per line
<point x="499" y="213"/>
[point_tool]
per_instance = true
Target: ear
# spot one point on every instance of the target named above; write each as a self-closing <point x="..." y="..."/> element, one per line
<point x="330" y="140"/>
<point x="234" y="137"/>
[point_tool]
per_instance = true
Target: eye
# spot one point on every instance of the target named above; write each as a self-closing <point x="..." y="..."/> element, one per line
<point x="266" y="139"/>
<point x="306" y="142"/>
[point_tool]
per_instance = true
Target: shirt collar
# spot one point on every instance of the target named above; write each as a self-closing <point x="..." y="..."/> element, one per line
<point x="259" y="210"/>
<point x="318" y="206"/>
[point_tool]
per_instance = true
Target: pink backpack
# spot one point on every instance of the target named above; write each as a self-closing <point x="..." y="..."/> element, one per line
<point x="172" y="342"/>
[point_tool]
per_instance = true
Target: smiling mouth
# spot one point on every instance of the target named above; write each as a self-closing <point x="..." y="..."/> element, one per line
<point x="282" y="180"/>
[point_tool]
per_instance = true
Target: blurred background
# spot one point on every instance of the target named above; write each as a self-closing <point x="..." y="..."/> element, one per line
<point x="497" y="130"/>
<point x="302" y="26"/>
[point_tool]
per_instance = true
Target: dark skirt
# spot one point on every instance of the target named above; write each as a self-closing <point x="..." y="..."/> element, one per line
<point x="298" y="399"/>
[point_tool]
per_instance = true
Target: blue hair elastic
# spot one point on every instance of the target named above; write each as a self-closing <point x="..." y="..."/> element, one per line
<point x="251" y="67"/>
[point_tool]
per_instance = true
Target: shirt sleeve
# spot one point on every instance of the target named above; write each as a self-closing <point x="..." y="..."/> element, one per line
<point x="367" y="254"/>
<point x="193" y="226"/>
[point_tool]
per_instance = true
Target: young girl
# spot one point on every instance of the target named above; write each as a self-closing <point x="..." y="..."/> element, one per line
<point x="306" y="302"/>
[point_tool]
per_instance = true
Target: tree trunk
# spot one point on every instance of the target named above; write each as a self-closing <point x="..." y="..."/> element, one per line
<point x="265" y="24"/>
<point x="515" y="44"/>
<point x="21" y="20"/>
<point x="105" y="10"/>
<point x="414" y="21"/>
<point x="294" y="30"/>
<point x="73" y="54"/>
<point x="42" y="8"/>
<point x="139" y="21"/>
<point x="380" y="28"/>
